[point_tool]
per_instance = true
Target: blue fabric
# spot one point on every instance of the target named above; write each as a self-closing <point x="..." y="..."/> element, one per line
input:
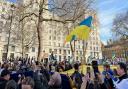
<point x="16" y="78"/>
<point x="87" y="21"/>
<point x="111" y="74"/>
<point x="65" y="82"/>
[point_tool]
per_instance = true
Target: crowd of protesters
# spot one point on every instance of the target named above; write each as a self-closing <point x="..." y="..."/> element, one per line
<point x="28" y="73"/>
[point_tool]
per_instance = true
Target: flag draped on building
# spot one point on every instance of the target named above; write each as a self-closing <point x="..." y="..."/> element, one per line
<point x="82" y="31"/>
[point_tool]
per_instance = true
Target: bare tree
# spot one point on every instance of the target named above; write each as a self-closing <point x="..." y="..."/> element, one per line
<point x="120" y="25"/>
<point x="26" y="33"/>
<point x="8" y="26"/>
<point x="68" y="10"/>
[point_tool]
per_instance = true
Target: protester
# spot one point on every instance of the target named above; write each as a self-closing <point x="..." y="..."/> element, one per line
<point x="55" y="80"/>
<point x="122" y="83"/>
<point x="45" y="76"/>
<point x="77" y="77"/>
<point x="108" y="80"/>
<point x="11" y="85"/>
<point x="4" y="78"/>
<point x="27" y="83"/>
<point x="92" y="82"/>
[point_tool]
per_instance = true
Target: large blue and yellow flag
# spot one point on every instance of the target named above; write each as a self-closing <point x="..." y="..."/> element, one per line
<point x="82" y="31"/>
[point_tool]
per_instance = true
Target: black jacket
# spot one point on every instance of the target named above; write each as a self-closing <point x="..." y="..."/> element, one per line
<point x="3" y="83"/>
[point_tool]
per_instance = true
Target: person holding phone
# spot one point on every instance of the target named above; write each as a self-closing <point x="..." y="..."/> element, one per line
<point x="91" y="82"/>
<point x="107" y="79"/>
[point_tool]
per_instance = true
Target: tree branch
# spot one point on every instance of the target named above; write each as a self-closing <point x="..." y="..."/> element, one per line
<point x="28" y="15"/>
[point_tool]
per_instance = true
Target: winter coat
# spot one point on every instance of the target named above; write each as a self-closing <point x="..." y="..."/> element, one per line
<point x="3" y="83"/>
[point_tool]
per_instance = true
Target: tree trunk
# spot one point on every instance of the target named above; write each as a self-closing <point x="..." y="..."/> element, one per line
<point x="22" y="39"/>
<point x="84" y="51"/>
<point x="71" y="47"/>
<point x="22" y="47"/>
<point x="9" y="32"/>
<point x="39" y="36"/>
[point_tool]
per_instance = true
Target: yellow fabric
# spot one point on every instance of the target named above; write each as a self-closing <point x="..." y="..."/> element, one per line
<point x="68" y="38"/>
<point x="81" y="32"/>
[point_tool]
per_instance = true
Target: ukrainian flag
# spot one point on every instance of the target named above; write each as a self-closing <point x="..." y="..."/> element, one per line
<point x="82" y="31"/>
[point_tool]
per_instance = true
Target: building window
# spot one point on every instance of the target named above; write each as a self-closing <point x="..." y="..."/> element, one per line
<point x="4" y="55"/>
<point x="27" y="49"/>
<point x="81" y="52"/>
<point x="13" y="48"/>
<point x="5" y="3"/>
<point x="0" y="30"/>
<point x="50" y="37"/>
<point x="77" y="52"/>
<point x="93" y="38"/>
<point x="49" y="31"/>
<point x="59" y="44"/>
<point x="96" y="43"/>
<point x="90" y="47"/>
<point x="96" y="48"/>
<point x="68" y="51"/>
<point x="5" y="47"/>
<point x="60" y="51"/>
<point x="54" y="44"/>
<point x="55" y="32"/>
<point x="64" y="57"/>
<point x="93" y="43"/>
<point x="50" y="50"/>
<point x="68" y="57"/>
<point x="59" y="38"/>
<point x="1" y="24"/>
<point x="59" y="57"/>
<point x="55" y="51"/>
<point x="64" y="52"/>
<point x="0" y="38"/>
<point x="11" y="55"/>
<point x="33" y="49"/>
<point x="79" y="46"/>
<point x="77" y="58"/>
<point x="54" y="37"/>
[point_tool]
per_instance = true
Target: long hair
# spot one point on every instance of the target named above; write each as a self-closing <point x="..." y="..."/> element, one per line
<point x="93" y="85"/>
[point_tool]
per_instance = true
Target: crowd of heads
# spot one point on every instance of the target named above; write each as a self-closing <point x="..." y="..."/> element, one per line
<point x="47" y="75"/>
